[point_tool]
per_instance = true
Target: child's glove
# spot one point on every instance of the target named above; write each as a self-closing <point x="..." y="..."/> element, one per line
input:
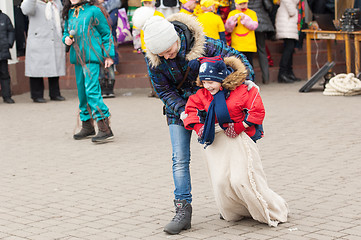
<point x="233" y="129"/>
<point x="250" y="85"/>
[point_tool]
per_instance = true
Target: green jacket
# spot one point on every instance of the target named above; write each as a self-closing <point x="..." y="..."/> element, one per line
<point x="93" y="38"/>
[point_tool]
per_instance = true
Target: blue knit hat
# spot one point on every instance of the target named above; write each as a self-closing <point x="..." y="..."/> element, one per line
<point x="212" y="69"/>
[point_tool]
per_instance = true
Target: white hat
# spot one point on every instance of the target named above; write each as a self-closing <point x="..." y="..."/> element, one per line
<point x="141" y="15"/>
<point x="159" y="34"/>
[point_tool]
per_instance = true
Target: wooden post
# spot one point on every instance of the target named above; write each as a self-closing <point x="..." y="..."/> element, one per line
<point x="357" y="54"/>
<point x="308" y="43"/>
<point x="348" y="56"/>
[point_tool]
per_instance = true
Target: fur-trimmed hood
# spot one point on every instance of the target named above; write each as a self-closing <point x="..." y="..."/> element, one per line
<point x="236" y="78"/>
<point x="196" y="29"/>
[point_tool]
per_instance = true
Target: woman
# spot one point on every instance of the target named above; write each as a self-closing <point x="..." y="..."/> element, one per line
<point x="262" y="9"/>
<point x="45" y="53"/>
<point x="87" y="31"/>
<point x="171" y="43"/>
<point x="286" y="29"/>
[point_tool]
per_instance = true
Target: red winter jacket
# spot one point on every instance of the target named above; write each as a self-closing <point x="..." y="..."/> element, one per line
<point x="242" y="104"/>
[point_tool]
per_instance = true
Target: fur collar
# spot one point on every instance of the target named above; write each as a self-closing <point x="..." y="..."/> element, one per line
<point x="235" y="79"/>
<point x="196" y="29"/>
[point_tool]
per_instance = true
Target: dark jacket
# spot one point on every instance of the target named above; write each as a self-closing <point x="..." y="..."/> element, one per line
<point x="167" y="74"/>
<point x="7" y="36"/>
<point x="262" y="9"/>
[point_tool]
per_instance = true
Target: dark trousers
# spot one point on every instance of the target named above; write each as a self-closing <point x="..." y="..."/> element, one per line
<point x="5" y="79"/>
<point x="262" y="55"/>
<point x="286" y="62"/>
<point x="249" y="56"/>
<point x="37" y="87"/>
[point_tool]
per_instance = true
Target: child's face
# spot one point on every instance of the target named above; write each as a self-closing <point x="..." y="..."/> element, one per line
<point x="208" y="9"/>
<point x="148" y="4"/>
<point x="212" y="86"/>
<point x="242" y="6"/>
<point x="191" y="4"/>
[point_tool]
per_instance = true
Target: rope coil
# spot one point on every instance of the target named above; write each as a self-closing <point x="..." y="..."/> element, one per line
<point x="343" y="85"/>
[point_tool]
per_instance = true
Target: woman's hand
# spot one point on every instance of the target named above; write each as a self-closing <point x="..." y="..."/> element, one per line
<point x="69" y="41"/>
<point x="108" y="62"/>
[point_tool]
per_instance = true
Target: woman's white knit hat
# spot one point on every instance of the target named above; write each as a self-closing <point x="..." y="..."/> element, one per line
<point x="159" y="34"/>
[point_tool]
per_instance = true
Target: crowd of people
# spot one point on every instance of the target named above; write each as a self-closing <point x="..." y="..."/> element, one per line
<point x="243" y="24"/>
<point x="199" y="56"/>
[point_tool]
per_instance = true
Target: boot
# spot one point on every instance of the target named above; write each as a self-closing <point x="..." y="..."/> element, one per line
<point x="182" y="219"/>
<point x="87" y="130"/>
<point x="284" y="78"/>
<point x="293" y="77"/>
<point x="104" y="132"/>
<point x="8" y="100"/>
<point x="110" y="89"/>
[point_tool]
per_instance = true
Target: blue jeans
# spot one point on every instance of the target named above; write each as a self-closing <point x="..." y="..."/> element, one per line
<point x="181" y="138"/>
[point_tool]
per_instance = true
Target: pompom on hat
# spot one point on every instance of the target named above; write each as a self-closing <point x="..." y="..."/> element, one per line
<point x="141" y="15"/>
<point x="159" y="34"/>
<point x="212" y="69"/>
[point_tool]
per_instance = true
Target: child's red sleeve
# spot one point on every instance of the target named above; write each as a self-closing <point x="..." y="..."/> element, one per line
<point x="193" y="106"/>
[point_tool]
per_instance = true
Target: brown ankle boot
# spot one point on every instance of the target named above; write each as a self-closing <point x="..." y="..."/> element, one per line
<point x="87" y="130"/>
<point x="104" y="132"/>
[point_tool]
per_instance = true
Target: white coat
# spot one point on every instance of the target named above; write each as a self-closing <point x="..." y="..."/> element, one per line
<point x="286" y="20"/>
<point x="45" y="51"/>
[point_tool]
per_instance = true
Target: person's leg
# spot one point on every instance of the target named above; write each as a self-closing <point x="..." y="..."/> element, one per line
<point x="100" y="111"/>
<point x="287" y="56"/>
<point x="180" y="139"/>
<point x="102" y="80"/>
<point x="292" y="45"/>
<point x="286" y="61"/>
<point x="93" y="91"/>
<point x="54" y="89"/>
<point x="5" y="82"/>
<point x="249" y="56"/>
<point x="37" y="89"/>
<point x="85" y="117"/>
<point x="111" y="81"/>
<point x="262" y="56"/>
<point x="83" y="103"/>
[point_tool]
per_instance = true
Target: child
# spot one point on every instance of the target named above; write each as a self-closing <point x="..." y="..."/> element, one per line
<point x="7" y="38"/>
<point x="188" y="6"/>
<point x="242" y="22"/>
<point x="212" y="23"/>
<point x="234" y="164"/>
<point x="87" y="31"/>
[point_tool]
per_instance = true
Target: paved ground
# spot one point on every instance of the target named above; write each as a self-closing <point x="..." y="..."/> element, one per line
<point x="53" y="187"/>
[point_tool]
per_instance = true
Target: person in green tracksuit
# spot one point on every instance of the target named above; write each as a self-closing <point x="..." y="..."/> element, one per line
<point x="87" y="32"/>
